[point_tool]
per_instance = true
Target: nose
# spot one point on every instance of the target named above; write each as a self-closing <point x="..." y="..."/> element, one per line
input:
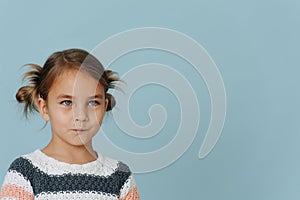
<point x="80" y="114"/>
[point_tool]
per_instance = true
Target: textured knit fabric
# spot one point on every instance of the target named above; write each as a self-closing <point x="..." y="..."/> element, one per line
<point x="37" y="176"/>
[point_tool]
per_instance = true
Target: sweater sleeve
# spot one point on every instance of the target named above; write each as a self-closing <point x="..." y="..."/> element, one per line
<point x="129" y="190"/>
<point x="16" y="186"/>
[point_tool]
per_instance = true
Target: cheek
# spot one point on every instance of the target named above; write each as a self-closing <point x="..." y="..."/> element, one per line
<point x="98" y="115"/>
<point x="60" y="116"/>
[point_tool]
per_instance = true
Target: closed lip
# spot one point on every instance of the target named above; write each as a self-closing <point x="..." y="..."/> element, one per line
<point x="79" y="130"/>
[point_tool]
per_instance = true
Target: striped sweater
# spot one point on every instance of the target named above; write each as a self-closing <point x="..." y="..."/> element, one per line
<point x="38" y="176"/>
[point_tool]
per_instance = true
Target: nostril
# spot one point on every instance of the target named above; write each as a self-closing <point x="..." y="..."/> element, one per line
<point x="78" y="123"/>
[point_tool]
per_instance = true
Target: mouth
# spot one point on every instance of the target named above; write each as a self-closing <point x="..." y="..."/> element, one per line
<point x="79" y="130"/>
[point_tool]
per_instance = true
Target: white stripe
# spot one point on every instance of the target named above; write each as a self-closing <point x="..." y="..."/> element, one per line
<point x="103" y="166"/>
<point x="15" y="178"/>
<point x="128" y="185"/>
<point x="77" y="195"/>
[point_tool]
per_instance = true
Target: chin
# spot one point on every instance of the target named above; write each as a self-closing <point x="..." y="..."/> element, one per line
<point x="80" y="142"/>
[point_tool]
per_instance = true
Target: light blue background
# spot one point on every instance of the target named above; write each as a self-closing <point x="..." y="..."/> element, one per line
<point x="255" y="45"/>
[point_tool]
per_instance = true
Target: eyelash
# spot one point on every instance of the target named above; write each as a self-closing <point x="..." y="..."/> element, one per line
<point x="66" y="103"/>
<point x="69" y="103"/>
<point x="94" y="103"/>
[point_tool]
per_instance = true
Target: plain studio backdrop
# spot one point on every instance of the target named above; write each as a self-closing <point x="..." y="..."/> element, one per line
<point x="254" y="44"/>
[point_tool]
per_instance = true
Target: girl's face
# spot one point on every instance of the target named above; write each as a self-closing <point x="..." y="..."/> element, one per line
<point x="75" y="107"/>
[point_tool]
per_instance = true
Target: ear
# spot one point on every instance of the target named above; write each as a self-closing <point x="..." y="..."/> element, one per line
<point x="42" y="105"/>
<point x="106" y="103"/>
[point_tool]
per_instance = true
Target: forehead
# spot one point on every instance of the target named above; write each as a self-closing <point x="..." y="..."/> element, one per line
<point x="76" y="83"/>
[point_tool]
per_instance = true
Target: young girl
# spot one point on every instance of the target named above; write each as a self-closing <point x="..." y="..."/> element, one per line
<point x="70" y="92"/>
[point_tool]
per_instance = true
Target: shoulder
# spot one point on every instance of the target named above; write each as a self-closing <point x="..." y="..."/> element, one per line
<point x="111" y="162"/>
<point x="113" y="166"/>
<point x="119" y="174"/>
<point x="21" y="163"/>
<point x="18" y="178"/>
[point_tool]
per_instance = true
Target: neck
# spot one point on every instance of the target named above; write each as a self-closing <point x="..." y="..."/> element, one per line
<point x="79" y="154"/>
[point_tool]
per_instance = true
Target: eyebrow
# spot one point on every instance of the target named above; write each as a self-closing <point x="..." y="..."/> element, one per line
<point x="66" y="96"/>
<point x="97" y="96"/>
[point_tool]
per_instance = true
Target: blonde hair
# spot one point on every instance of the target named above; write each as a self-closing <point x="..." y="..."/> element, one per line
<point x="40" y="79"/>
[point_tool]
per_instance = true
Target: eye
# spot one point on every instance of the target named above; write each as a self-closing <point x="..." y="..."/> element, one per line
<point x="66" y="103"/>
<point x="94" y="103"/>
